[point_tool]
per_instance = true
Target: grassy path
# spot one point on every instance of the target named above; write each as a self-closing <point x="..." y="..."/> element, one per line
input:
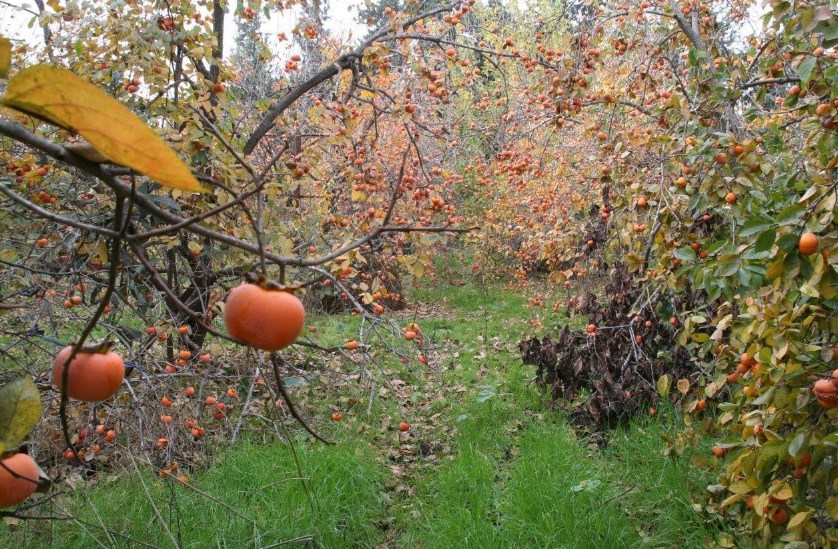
<point x="484" y="465"/>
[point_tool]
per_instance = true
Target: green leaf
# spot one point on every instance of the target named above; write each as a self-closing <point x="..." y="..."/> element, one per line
<point x="806" y="18"/>
<point x="692" y="55"/>
<point x="294" y="381"/>
<point x="788" y="242"/>
<point x="487" y="393"/>
<point x="796" y="444"/>
<point x="804" y="71"/>
<point x="764" y="398"/>
<point x="830" y="34"/>
<point x="728" y="267"/>
<point x="765" y="241"/>
<point x="754" y="226"/>
<point x="685" y="253"/>
<point x="790" y="215"/>
<point x="20" y="410"/>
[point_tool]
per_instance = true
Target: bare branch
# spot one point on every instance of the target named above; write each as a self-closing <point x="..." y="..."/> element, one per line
<point x="344" y="62"/>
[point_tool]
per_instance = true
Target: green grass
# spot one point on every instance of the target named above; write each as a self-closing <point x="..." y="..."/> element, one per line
<point x="541" y="487"/>
<point x="557" y="496"/>
<point x="661" y="504"/>
<point x="258" y="481"/>
<point x="515" y="476"/>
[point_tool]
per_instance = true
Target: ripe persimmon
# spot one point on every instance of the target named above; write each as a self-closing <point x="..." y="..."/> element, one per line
<point x="718" y="451"/>
<point x="93" y="375"/>
<point x="824" y="387"/>
<point x="808" y="244"/>
<point x="780" y="516"/>
<point x="14" y="489"/>
<point x="404" y="426"/>
<point x="265" y="319"/>
<point x="351" y="345"/>
<point x="826" y="393"/>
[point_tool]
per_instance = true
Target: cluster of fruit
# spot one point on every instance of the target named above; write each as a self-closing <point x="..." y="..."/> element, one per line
<point x="258" y="315"/>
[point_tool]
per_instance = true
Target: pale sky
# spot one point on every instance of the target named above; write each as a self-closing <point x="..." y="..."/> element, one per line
<point x="341" y="23"/>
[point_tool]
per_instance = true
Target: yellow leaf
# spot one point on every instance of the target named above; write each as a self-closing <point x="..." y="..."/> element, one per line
<point x="62" y="98"/>
<point x="784" y="493"/>
<point x="732" y="499"/>
<point x="798" y="519"/>
<point x="740" y="487"/>
<point x="5" y="56"/>
<point x="832" y="507"/>
<point x="20" y="411"/>
<point x="664" y="383"/>
<point x="683" y="386"/>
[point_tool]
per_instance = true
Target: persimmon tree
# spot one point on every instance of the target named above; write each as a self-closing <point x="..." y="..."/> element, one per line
<point x="701" y="160"/>
<point x="123" y="231"/>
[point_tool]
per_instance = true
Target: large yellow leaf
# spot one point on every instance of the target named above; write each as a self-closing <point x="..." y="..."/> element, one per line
<point x="5" y="56"/>
<point x="62" y="98"/>
<point x="20" y="410"/>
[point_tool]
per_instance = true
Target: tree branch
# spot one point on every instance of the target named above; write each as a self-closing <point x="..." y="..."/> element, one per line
<point x="755" y="83"/>
<point x="342" y="63"/>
